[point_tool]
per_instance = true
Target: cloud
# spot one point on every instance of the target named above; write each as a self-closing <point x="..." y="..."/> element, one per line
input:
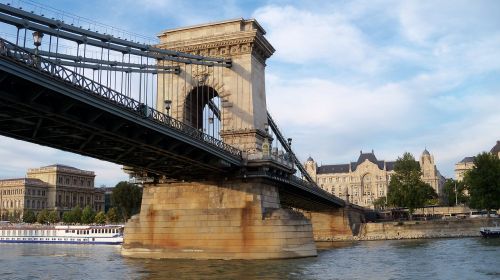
<point x="424" y="21"/>
<point x="302" y="36"/>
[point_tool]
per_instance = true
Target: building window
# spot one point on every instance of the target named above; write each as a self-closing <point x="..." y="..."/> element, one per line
<point x="67" y="181"/>
<point x="88" y="183"/>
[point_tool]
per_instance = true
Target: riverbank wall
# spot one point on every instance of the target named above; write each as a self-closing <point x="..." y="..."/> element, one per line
<point x="416" y="229"/>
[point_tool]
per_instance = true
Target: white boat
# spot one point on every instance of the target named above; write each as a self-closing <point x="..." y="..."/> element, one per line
<point x="488" y="232"/>
<point x="25" y="233"/>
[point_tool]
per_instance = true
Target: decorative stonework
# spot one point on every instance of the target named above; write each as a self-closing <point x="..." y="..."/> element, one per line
<point x="224" y="45"/>
<point x="240" y="87"/>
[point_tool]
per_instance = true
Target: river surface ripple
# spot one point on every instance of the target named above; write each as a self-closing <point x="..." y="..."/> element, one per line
<point x="465" y="258"/>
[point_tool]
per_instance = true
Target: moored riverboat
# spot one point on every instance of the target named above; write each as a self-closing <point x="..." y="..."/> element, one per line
<point x="62" y="234"/>
<point x="490" y="232"/>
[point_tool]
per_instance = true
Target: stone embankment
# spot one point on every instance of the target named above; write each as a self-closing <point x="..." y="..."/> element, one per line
<point x="418" y="229"/>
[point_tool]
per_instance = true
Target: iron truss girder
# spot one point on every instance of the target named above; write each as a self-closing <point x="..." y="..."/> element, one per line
<point x="59" y="121"/>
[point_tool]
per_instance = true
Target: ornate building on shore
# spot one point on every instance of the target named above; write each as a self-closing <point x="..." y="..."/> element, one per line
<point x="54" y="187"/>
<point x="468" y="163"/>
<point x="367" y="179"/>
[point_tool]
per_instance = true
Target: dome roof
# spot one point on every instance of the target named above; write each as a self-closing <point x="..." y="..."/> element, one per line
<point x="426" y="153"/>
<point x="310" y="158"/>
<point x="496" y="149"/>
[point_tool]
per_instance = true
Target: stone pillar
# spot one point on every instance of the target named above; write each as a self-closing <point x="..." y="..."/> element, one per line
<point x="216" y="220"/>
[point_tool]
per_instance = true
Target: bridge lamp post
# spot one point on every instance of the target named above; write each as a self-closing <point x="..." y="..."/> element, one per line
<point x="37" y="41"/>
<point x="168" y="103"/>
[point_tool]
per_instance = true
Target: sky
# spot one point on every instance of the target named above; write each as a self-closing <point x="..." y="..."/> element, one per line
<point x="383" y="75"/>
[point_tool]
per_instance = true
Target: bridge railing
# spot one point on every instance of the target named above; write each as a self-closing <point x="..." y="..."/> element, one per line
<point x="21" y="55"/>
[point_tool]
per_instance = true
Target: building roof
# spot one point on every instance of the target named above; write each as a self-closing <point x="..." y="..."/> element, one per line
<point x="496" y="149"/>
<point x="367" y="156"/>
<point x="389" y="165"/>
<point x="344" y="168"/>
<point x="310" y="158"/>
<point x="61" y="166"/>
<point x="467" y="159"/>
<point x="27" y="181"/>
<point x="333" y="168"/>
<point x="426" y="153"/>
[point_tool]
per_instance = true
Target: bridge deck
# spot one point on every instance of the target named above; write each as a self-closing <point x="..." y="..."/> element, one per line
<point x="46" y="109"/>
<point x="52" y="106"/>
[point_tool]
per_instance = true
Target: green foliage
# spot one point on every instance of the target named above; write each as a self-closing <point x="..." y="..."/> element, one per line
<point x="483" y="182"/>
<point x="100" y="218"/>
<point x="73" y="217"/>
<point x="88" y="215"/>
<point x="29" y="216"/>
<point x="406" y="189"/>
<point x="67" y="217"/>
<point x="53" y="217"/>
<point x="42" y="217"/>
<point x="15" y="216"/>
<point x="5" y="215"/>
<point x="77" y="214"/>
<point x="127" y="198"/>
<point x="449" y="192"/>
<point x="112" y="216"/>
<point x="380" y="203"/>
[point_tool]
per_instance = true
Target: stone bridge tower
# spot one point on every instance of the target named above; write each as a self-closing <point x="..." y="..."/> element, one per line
<point x="241" y="88"/>
<point x="218" y="218"/>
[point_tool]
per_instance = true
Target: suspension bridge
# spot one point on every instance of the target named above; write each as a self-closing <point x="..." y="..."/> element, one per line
<point x="189" y="113"/>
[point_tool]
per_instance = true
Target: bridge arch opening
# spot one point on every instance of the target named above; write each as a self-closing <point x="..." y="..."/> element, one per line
<point x="203" y="110"/>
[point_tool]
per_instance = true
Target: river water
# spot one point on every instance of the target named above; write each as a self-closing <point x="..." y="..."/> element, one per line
<point x="465" y="258"/>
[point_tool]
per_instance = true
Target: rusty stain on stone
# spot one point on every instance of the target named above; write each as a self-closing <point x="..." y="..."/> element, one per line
<point x="246" y="223"/>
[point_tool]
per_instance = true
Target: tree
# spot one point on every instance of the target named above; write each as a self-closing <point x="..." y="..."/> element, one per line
<point x="100" y="218"/>
<point x="380" y="203"/>
<point x="15" y="216"/>
<point x="127" y="198"/>
<point x="406" y="188"/>
<point x="483" y="182"/>
<point x="68" y="217"/>
<point x="112" y="216"/>
<point x="88" y="215"/>
<point x="73" y="217"/>
<point x="77" y="214"/>
<point x="449" y="194"/>
<point x="42" y="217"/>
<point x="29" y="216"/>
<point x="53" y="217"/>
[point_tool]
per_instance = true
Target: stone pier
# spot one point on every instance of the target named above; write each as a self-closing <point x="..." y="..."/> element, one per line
<point x="336" y="224"/>
<point x="217" y="220"/>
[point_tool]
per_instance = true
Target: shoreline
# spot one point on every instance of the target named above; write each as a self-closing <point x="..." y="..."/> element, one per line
<point x="415" y="230"/>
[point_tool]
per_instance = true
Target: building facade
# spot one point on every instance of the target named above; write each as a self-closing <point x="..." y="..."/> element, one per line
<point x="468" y="163"/>
<point x="54" y="187"/>
<point x="367" y="179"/>
<point x="17" y="195"/>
